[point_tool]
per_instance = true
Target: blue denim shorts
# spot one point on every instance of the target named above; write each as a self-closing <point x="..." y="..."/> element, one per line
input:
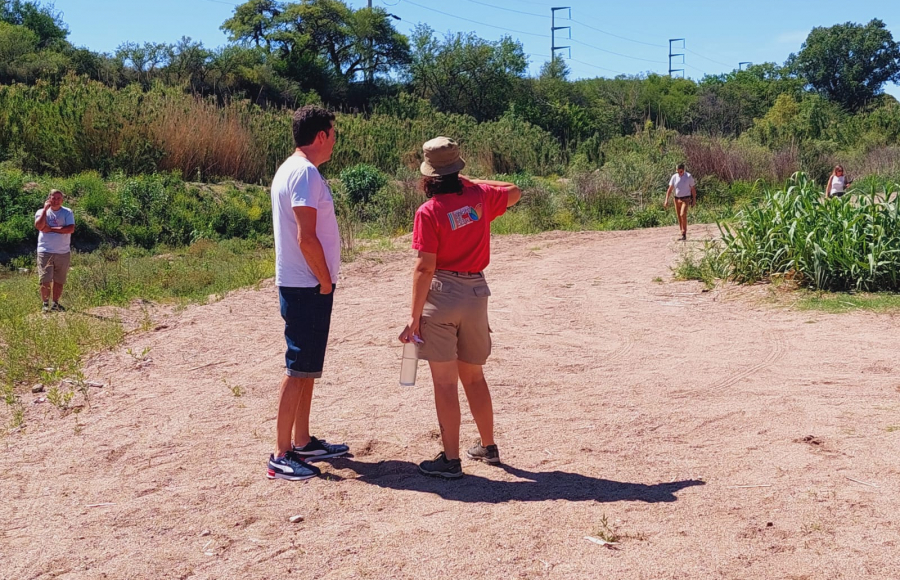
<point x="307" y="320"/>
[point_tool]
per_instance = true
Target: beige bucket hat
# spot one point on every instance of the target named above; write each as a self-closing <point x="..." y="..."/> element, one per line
<point x="441" y="157"/>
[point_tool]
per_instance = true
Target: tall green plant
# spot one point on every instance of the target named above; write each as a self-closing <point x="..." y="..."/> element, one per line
<point x="852" y="242"/>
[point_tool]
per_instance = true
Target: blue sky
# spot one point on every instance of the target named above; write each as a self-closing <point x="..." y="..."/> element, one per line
<point x="607" y="38"/>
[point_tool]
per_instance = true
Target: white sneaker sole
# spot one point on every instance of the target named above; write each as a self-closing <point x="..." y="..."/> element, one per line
<point x="272" y="474"/>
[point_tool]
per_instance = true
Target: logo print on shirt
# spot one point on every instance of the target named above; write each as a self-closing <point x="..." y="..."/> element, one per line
<point x="465" y="216"/>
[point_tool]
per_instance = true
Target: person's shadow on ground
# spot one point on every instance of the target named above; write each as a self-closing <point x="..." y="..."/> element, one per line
<point x="538" y="485"/>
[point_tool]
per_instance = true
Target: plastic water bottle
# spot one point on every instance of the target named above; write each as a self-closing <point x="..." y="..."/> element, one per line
<point x="409" y="365"/>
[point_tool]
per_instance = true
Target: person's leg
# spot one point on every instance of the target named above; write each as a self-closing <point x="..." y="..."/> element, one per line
<point x="60" y="274"/>
<point x="307" y="316"/>
<point x="45" y="275"/>
<point x="681" y="210"/>
<point x="290" y="400"/>
<point x="445" y="376"/>
<point x="284" y="464"/>
<point x="301" y="416"/>
<point x="479" y="397"/>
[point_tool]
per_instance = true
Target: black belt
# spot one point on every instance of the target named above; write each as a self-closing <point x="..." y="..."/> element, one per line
<point x="462" y="273"/>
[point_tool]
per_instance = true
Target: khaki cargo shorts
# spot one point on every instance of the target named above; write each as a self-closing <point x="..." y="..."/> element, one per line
<point x="455" y="319"/>
<point x="53" y="267"/>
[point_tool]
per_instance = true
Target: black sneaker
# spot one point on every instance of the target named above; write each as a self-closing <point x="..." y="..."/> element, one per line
<point x="488" y="454"/>
<point x="45" y="307"/>
<point x="440" y="466"/>
<point x="57" y="307"/>
<point x="683" y="237"/>
<point x="320" y="449"/>
<point x="290" y="467"/>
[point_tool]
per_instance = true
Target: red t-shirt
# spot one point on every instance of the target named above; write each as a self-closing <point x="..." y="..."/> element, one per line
<point x="457" y="227"/>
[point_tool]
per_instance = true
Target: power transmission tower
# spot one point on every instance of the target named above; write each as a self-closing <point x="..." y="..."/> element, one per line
<point x="554" y="28"/>
<point x="742" y="63"/>
<point x="673" y="54"/>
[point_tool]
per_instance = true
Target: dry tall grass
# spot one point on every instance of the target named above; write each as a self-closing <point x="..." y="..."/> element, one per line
<point x="203" y="140"/>
<point x="736" y="160"/>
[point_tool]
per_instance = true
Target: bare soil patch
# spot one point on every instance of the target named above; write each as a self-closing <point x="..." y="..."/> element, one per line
<point x="711" y="435"/>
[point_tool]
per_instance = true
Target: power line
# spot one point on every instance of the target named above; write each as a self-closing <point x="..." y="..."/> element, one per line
<point x="695" y="68"/>
<point x="508" y="9"/>
<point x="595" y="66"/>
<point x="476" y="22"/>
<point x="617" y="53"/>
<point x="617" y="36"/>
<point x="707" y="58"/>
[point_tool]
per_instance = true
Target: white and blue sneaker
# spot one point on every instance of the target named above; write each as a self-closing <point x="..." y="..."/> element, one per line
<point x="290" y="467"/>
<point x="320" y="449"/>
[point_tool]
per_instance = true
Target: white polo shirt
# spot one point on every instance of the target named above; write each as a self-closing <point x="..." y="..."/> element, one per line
<point x="682" y="184"/>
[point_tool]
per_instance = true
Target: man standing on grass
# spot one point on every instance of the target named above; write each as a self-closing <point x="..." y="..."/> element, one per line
<point x="55" y="224"/>
<point x="685" y="188"/>
<point x="307" y="262"/>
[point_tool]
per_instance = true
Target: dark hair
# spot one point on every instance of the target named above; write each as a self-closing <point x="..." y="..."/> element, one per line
<point x="449" y="183"/>
<point x="680" y="166"/>
<point x="308" y="121"/>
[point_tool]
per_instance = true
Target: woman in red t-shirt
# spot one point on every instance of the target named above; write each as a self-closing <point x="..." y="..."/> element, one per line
<point x="449" y="322"/>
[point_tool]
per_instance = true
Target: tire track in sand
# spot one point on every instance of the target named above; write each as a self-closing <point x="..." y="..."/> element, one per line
<point x="777" y="349"/>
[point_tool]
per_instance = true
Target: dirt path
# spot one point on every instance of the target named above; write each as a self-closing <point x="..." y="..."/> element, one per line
<point x="717" y="437"/>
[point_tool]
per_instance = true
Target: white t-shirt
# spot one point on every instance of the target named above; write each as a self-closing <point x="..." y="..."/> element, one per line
<point x="682" y="184"/>
<point x="838" y="184"/>
<point x="298" y="183"/>
<point x="54" y="243"/>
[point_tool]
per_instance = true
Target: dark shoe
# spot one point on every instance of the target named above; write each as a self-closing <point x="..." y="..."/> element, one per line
<point x="45" y="307"/>
<point x="57" y="307"/>
<point x="488" y="454"/>
<point x="320" y="449"/>
<point x="290" y="467"/>
<point x="683" y="237"/>
<point x="440" y="466"/>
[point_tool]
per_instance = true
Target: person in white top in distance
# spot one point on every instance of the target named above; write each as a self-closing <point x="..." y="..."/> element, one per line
<point x="837" y="183"/>
<point x="685" y="188"/>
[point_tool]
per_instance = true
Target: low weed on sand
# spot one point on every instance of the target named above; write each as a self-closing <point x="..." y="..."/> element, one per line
<point x="844" y="302"/>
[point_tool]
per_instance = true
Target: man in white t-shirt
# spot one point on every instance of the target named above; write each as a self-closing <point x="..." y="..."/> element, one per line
<point x="685" y="188"/>
<point x="307" y="262"/>
<point x="55" y="224"/>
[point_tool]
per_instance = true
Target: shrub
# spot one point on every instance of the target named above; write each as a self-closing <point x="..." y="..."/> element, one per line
<point x="362" y="182"/>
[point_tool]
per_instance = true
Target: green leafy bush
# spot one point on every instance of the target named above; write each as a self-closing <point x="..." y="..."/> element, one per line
<point x="362" y="182"/>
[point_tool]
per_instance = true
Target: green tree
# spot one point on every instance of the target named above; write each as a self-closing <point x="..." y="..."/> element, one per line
<point x="187" y="63"/>
<point x="361" y="42"/>
<point x="142" y="60"/>
<point x="41" y="20"/>
<point x="728" y="103"/>
<point x="16" y="43"/>
<point x="254" y="21"/>
<point x="464" y="73"/>
<point x="849" y="63"/>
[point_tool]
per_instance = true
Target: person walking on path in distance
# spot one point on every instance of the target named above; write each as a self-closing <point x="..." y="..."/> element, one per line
<point x="307" y="262"/>
<point x="449" y="320"/>
<point x="55" y="224"/>
<point x="837" y="183"/>
<point x="685" y="188"/>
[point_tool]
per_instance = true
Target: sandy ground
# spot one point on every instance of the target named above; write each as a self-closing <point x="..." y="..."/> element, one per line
<point x="716" y="435"/>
